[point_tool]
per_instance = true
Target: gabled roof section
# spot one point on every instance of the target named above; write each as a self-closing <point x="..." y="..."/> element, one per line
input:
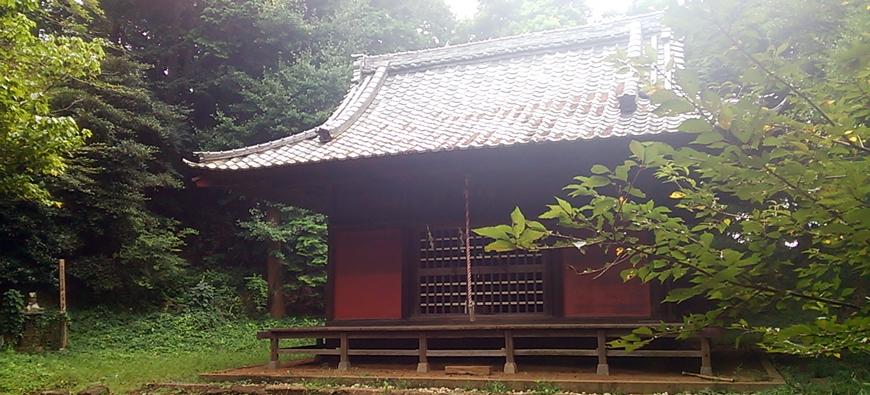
<point x="541" y="87"/>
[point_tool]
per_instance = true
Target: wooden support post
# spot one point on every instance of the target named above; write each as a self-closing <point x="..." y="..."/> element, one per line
<point x="423" y="347"/>
<point x="603" y="369"/>
<point x="273" y="352"/>
<point x="706" y="365"/>
<point x="274" y="271"/>
<point x="319" y="343"/>
<point x="64" y="324"/>
<point x="510" y="365"/>
<point x="343" y="361"/>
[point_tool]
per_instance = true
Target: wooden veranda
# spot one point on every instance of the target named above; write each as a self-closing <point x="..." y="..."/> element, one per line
<point x="342" y="337"/>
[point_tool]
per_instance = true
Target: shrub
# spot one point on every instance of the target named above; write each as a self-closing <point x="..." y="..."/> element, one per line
<point x="258" y="292"/>
<point x="11" y="316"/>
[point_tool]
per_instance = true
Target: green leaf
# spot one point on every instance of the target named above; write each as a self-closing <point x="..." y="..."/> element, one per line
<point x="708" y="138"/>
<point x="518" y="221"/>
<point x="553" y="212"/>
<point x="754" y="76"/>
<point x="638" y="150"/>
<point x="500" y="246"/>
<point x="681" y="294"/>
<point x="688" y="81"/>
<point x="637" y="193"/>
<point x="497" y="232"/>
<point x="644" y="331"/>
<point x="597" y="181"/>
<point x="695" y="126"/>
<point x="600" y="169"/>
<point x="529" y="237"/>
<point x="565" y="206"/>
<point x="536" y="226"/>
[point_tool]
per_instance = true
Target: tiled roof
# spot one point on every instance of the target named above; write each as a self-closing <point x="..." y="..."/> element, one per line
<point x="548" y="86"/>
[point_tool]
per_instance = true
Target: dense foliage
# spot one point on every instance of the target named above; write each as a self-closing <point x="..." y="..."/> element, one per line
<point x="178" y="77"/>
<point x="11" y="316"/>
<point x="497" y="18"/>
<point x="301" y="240"/>
<point x="768" y="216"/>
<point x="34" y="141"/>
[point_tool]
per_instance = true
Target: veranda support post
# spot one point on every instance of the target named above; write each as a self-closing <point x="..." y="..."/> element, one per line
<point x="706" y="364"/>
<point x="510" y="365"/>
<point x="603" y="368"/>
<point x="344" y="361"/>
<point x="273" y="352"/>
<point x="423" y="346"/>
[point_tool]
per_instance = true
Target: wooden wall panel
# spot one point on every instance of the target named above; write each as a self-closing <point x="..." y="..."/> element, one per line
<point x="604" y="297"/>
<point x="368" y="273"/>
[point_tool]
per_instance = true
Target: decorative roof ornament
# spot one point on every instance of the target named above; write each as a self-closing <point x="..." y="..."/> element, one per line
<point x="628" y="96"/>
<point x="323" y="134"/>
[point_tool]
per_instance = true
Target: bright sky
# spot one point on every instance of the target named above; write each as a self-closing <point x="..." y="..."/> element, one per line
<point x="464" y="9"/>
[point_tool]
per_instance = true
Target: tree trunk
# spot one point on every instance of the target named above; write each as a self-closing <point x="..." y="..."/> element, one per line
<point x="274" y="272"/>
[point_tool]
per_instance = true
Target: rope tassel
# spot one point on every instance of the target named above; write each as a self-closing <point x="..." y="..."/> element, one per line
<point x="469" y="297"/>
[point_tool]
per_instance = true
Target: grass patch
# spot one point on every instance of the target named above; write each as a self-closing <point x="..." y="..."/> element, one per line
<point x="847" y="376"/>
<point x="126" y="351"/>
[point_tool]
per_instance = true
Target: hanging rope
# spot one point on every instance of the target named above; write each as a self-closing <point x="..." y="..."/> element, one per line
<point x="469" y="297"/>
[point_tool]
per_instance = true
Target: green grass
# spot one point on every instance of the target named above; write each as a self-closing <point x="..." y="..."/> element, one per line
<point x="126" y="351"/>
<point x="849" y="376"/>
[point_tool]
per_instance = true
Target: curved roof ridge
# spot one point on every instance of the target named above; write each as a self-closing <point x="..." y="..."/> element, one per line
<point x="230" y="153"/>
<point x="353" y="103"/>
<point x="544" y="39"/>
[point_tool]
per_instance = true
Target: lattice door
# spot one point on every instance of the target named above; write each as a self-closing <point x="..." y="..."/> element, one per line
<point x="504" y="283"/>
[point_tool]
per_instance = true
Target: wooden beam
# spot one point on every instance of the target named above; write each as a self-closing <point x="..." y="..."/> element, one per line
<point x="603" y="368"/>
<point x="563" y="352"/>
<point x="655" y="353"/>
<point x="465" y="353"/>
<point x="309" y="350"/>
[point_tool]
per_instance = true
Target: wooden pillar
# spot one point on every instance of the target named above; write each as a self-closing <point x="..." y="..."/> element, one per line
<point x="706" y="365"/>
<point x="343" y="361"/>
<point x="510" y="365"/>
<point x="274" y="271"/>
<point x="423" y="347"/>
<point x="603" y="368"/>
<point x="64" y="324"/>
<point x="273" y="352"/>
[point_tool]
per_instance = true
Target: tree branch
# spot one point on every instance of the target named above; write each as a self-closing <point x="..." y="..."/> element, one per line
<point x="770" y="73"/>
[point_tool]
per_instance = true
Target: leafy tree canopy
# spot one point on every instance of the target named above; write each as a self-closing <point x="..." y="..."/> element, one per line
<point x="179" y="76"/>
<point x="35" y="141"/>
<point x="766" y="212"/>
<point x="498" y="18"/>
